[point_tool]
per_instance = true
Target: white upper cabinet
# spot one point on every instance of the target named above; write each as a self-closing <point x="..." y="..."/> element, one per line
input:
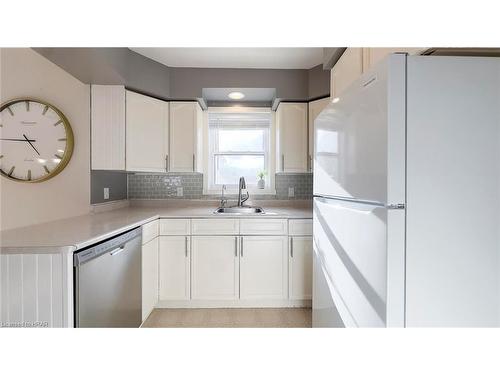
<point x="291" y="137"/>
<point x="186" y="119"/>
<point x="346" y="70"/>
<point x="356" y="61"/>
<point x="372" y="56"/>
<point x="315" y="109"/>
<point x="108" y="127"/>
<point x="147" y="133"/>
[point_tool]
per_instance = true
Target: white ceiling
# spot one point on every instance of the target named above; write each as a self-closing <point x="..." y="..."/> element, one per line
<point x="270" y="58"/>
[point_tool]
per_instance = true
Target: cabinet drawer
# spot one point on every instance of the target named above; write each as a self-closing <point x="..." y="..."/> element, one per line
<point x="214" y="226"/>
<point x="150" y="231"/>
<point x="302" y="227"/>
<point x="263" y="226"/>
<point x="175" y="227"/>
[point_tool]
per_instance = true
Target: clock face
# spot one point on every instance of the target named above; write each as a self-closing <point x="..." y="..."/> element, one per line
<point x="36" y="140"/>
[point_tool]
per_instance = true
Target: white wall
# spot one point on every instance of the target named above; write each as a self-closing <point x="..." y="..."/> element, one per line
<point x="24" y="72"/>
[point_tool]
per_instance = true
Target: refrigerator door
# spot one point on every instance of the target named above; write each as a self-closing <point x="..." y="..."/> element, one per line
<point x="360" y="138"/>
<point x="350" y="241"/>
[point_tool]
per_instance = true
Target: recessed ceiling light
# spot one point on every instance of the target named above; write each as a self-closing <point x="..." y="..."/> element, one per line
<point x="236" y="95"/>
<point x="335" y="100"/>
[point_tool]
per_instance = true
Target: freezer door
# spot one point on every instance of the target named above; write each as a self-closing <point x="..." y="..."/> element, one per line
<point x="350" y="242"/>
<point x="360" y="138"/>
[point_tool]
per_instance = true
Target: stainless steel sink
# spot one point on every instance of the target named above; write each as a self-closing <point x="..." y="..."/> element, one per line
<point x="239" y="210"/>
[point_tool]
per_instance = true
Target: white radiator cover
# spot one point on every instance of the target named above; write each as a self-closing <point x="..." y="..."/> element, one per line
<point x="36" y="290"/>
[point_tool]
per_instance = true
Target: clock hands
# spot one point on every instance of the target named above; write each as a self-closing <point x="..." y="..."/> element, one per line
<point x="17" y="140"/>
<point x="31" y="144"/>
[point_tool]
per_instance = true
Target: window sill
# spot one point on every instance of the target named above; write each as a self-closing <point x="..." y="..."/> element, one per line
<point x="235" y="192"/>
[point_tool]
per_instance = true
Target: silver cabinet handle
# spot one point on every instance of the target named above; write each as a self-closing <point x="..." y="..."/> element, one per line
<point x="310" y="163"/>
<point x="117" y="250"/>
<point x="291" y="247"/>
<point x="166" y="163"/>
<point x="186" y="246"/>
<point x="241" y="247"/>
<point x="194" y="157"/>
<point x="235" y="246"/>
<point x="282" y="162"/>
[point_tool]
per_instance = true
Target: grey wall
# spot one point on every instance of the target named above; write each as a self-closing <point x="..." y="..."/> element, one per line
<point x="331" y="55"/>
<point x="115" y="181"/>
<point x="112" y="66"/>
<point x="289" y="83"/>
<point x="318" y="82"/>
<point x="126" y="67"/>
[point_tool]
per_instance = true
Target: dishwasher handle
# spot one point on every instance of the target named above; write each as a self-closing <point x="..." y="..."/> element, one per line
<point x="118" y="250"/>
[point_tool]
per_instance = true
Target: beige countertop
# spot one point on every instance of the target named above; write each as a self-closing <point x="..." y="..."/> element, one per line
<point x="75" y="233"/>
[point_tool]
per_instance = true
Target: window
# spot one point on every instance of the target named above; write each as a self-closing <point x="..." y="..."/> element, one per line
<point x="239" y="145"/>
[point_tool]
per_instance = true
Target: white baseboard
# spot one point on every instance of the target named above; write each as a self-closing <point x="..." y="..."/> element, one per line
<point x="213" y="304"/>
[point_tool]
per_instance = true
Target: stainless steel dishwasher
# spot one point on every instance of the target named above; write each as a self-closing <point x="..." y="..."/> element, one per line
<point x="108" y="282"/>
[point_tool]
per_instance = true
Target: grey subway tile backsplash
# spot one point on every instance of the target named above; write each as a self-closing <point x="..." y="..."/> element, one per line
<point x="164" y="186"/>
<point x="302" y="184"/>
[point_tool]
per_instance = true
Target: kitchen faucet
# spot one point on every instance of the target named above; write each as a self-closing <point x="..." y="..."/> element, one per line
<point x="223" y="199"/>
<point x="242" y="185"/>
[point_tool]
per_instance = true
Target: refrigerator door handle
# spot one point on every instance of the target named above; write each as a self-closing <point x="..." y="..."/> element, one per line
<point x="389" y="206"/>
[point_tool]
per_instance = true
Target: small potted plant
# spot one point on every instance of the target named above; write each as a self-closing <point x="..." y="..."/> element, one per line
<point x="261" y="184"/>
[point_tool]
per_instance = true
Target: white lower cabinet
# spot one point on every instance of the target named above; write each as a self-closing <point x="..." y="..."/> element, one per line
<point x="300" y="267"/>
<point x="214" y="268"/>
<point x="210" y="268"/>
<point x="174" y="268"/>
<point x="264" y="267"/>
<point x="149" y="276"/>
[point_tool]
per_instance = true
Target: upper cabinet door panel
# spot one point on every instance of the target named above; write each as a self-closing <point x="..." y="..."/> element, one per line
<point x="147" y="133"/>
<point x="291" y="121"/>
<point x="185" y="123"/>
<point x="372" y="56"/>
<point x="346" y="70"/>
<point x="108" y="127"/>
<point x="315" y="109"/>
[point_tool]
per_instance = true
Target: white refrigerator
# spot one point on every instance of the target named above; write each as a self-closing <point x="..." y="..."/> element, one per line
<point x="407" y="197"/>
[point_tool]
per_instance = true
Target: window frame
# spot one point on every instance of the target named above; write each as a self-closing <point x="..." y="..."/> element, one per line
<point x="210" y="188"/>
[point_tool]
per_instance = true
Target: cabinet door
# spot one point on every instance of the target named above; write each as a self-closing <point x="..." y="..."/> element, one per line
<point x="291" y="128"/>
<point x="346" y="70"/>
<point x="147" y="133"/>
<point x="315" y="109"/>
<point x="108" y="127"/>
<point x="174" y="260"/>
<point x="215" y="268"/>
<point x="149" y="277"/>
<point x="300" y="285"/>
<point x="185" y="129"/>
<point x="264" y="267"/>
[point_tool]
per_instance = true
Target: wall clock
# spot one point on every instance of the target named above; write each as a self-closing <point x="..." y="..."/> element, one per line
<point x="36" y="140"/>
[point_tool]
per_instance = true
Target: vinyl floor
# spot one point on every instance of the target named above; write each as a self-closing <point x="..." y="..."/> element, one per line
<point x="230" y="318"/>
